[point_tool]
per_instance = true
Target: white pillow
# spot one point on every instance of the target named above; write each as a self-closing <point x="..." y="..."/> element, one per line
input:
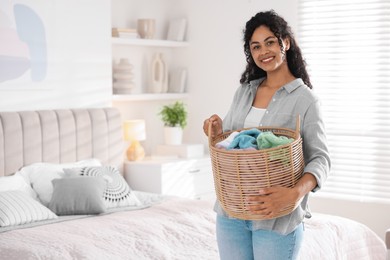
<point x="16" y="182"/>
<point x="40" y="176"/>
<point x="117" y="192"/>
<point x="18" y="208"/>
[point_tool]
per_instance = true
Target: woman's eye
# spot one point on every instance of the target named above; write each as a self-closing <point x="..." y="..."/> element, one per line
<point x="255" y="47"/>
<point x="269" y="43"/>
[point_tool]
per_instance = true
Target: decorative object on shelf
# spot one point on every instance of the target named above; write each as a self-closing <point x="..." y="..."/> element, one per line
<point x="146" y="28"/>
<point x="177" y="80"/>
<point x="134" y="131"/>
<point x="159" y="74"/>
<point x="123" y="77"/>
<point x="174" y="118"/>
<point x="127" y="33"/>
<point x="177" y="30"/>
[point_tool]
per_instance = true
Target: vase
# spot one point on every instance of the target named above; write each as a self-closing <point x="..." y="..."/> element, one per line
<point x="146" y="28"/>
<point x="123" y="77"/>
<point x="173" y="135"/>
<point x="159" y="74"/>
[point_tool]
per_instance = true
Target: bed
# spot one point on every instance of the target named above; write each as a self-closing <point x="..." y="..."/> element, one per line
<point x="46" y="156"/>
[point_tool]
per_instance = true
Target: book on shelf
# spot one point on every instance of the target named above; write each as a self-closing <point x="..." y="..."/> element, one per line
<point x="125" y="33"/>
<point x="177" y="29"/>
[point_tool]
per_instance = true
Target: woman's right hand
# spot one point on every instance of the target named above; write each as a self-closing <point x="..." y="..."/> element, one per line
<point x="216" y="125"/>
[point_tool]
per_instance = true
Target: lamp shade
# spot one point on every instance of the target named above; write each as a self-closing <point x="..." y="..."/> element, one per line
<point x="134" y="130"/>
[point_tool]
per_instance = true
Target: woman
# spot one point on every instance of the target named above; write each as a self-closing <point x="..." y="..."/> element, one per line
<point x="275" y="88"/>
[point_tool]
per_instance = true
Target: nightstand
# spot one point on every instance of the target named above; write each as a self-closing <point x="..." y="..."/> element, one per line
<point x="191" y="178"/>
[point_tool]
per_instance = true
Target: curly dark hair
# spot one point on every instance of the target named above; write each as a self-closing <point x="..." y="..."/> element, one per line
<point x="282" y="30"/>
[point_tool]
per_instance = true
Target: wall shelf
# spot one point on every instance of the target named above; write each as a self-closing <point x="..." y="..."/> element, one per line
<point x="147" y="42"/>
<point x="148" y="96"/>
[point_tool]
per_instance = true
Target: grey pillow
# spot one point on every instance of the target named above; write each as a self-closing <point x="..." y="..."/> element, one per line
<point x="78" y="196"/>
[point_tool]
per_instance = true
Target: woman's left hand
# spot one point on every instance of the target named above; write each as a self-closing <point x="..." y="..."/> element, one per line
<point x="272" y="200"/>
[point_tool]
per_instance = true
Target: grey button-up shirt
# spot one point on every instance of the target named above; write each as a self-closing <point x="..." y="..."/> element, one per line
<point x="292" y="99"/>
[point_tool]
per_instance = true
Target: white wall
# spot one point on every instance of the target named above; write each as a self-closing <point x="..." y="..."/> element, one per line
<point x="78" y="48"/>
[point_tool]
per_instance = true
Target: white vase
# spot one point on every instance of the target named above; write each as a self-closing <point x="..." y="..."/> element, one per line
<point x="159" y="74"/>
<point x="123" y="77"/>
<point x="173" y="135"/>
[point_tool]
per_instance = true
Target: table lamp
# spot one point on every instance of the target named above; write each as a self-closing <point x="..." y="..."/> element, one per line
<point x="135" y="132"/>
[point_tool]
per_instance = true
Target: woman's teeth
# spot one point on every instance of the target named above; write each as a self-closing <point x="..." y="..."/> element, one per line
<point x="267" y="59"/>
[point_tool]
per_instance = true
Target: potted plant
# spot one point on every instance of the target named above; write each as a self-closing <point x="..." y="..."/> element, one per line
<point x="174" y="117"/>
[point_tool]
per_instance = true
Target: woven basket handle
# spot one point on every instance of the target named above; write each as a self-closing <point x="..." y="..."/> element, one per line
<point x="298" y="126"/>
<point x="209" y="134"/>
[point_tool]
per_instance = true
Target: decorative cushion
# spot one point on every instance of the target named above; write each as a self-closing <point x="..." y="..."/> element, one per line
<point x="17" y="207"/>
<point x="40" y="175"/>
<point x="16" y="182"/>
<point x="78" y="195"/>
<point x="117" y="193"/>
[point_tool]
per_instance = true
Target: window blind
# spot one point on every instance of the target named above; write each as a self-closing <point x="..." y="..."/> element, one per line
<point x="346" y="45"/>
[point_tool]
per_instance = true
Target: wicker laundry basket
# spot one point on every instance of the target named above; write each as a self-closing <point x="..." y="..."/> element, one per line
<point x="242" y="173"/>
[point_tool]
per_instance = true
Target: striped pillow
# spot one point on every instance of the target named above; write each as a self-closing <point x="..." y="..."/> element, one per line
<point x="17" y="208"/>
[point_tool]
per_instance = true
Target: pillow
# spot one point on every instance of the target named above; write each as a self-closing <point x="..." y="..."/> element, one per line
<point x="117" y="192"/>
<point x="16" y="182"/>
<point x="40" y="175"/>
<point x="78" y="195"/>
<point x="17" y="207"/>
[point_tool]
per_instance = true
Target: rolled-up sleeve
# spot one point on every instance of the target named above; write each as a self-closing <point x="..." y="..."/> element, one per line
<point x="315" y="146"/>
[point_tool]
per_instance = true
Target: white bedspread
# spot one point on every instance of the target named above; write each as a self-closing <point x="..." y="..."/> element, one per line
<point x="174" y="229"/>
<point x="329" y="237"/>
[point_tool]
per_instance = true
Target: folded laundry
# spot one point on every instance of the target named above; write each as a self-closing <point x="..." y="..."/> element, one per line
<point x="270" y="140"/>
<point x="245" y="139"/>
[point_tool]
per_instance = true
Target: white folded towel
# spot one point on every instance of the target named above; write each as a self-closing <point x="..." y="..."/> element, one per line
<point x="224" y="144"/>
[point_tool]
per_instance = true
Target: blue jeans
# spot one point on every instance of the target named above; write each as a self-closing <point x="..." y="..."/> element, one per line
<point x="238" y="241"/>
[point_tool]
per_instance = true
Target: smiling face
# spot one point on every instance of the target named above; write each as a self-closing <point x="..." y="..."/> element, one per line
<point x="266" y="51"/>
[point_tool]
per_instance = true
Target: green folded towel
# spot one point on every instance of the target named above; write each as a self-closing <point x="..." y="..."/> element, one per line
<point x="270" y="140"/>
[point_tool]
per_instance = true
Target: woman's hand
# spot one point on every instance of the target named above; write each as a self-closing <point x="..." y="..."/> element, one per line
<point x="216" y="125"/>
<point x="272" y="200"/>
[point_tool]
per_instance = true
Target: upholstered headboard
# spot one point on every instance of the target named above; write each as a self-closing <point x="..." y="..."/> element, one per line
<point x="60" y="136"/>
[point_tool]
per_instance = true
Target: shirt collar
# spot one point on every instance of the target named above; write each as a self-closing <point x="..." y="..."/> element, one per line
<point x="293" y="85"/>
<point x="289" y="87"/>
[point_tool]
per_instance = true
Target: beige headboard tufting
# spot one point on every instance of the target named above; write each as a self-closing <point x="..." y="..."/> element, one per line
<point x="60" y="136"/>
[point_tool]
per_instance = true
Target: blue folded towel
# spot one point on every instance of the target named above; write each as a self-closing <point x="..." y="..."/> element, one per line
<point x="245" y="139"/>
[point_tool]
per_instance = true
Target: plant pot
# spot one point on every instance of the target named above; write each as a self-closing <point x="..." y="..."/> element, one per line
<point x="173" y="135"/>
